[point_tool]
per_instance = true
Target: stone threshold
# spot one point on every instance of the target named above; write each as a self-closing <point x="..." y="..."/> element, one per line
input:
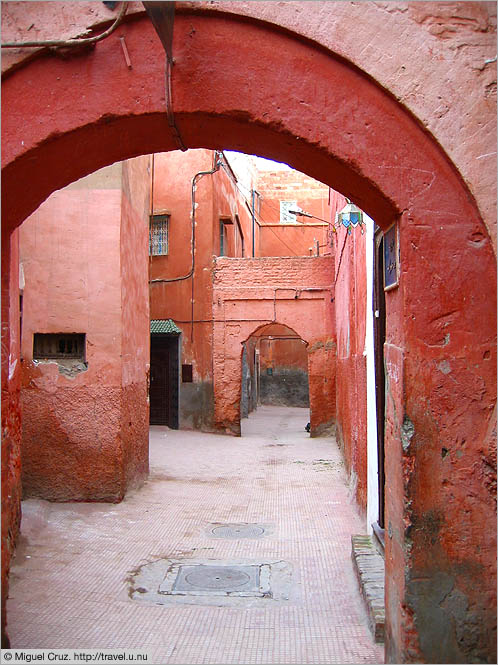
<point x="368" y="565"/>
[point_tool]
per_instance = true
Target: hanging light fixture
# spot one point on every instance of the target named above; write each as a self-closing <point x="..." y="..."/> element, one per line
<point x="350" y="217"/>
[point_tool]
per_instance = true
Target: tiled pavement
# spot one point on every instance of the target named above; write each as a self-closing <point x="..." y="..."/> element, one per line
<point x="69" y="584"/>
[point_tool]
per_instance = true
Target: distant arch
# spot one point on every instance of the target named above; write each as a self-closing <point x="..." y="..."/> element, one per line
<point x="265" y="327"/>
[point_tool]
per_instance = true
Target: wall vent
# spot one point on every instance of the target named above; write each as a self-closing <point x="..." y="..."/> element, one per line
<point x="48" y="346"/>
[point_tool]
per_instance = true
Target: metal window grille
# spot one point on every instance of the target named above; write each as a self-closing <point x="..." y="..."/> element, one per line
<point x="158" y="235"/>
<point x="59" y="345"/>
<point x="285" y="216"/>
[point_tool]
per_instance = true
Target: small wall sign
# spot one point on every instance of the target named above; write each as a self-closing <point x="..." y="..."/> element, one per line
<point x="391" y="254"/>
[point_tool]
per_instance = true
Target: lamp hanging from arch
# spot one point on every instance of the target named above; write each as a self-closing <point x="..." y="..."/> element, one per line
<point x="350" y="217"/>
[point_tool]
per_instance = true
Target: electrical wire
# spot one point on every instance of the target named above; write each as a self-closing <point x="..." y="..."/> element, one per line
<point x="198" y="175"/>
<point x="84" y="41"/>
<point x="191" y="272"/>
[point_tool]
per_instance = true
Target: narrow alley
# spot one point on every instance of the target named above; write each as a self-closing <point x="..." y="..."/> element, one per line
<point x="77" y="577"/>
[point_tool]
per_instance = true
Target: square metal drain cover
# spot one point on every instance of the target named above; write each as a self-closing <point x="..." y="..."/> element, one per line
<point x="216" y="580"/>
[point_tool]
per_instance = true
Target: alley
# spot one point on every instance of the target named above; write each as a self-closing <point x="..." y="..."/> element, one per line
<point x="72" y="578"/>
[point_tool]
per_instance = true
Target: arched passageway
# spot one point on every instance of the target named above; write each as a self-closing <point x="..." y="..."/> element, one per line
<point x="248" y="86"/>
<point x="293" y="292"/>
<point x="274" y="369"/>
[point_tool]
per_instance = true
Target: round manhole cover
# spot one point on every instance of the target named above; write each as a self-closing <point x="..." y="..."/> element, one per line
<point x="212" y="577"/>
<point x="238" y="531"/>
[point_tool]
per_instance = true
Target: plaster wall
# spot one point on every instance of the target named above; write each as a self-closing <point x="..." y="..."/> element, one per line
<point x="350" y="301"/>
<point x="11" y="412"/>
<point x="293" y="239"/>
<point x="284" y="371"/>
<point x="356" y="406"/>
<point x="216" y="198"/>
<point x="79" y="278"/>
<point x="454" y="43"/>
<point x="299" y="238"/>
<point x="389" y="136"/>
<point x="281" y="351"/>
<point x="135" y="336"/>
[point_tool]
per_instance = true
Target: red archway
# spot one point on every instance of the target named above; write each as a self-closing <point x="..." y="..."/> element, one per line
<point x="248" y="86"/>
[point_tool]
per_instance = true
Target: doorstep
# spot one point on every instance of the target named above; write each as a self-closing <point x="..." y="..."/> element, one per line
<point x="369" y="568"/>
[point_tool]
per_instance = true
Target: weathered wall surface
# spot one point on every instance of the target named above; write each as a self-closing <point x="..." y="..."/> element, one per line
<point x="85" y="434"/>
<point x="252" y="293"/>
<point x="285" y="387"/>
<point x="71" y="448"/>
<point x="299" y="239"/>
<point x="172" y="190"/>
<point x="394" y="165"/>
<point x="350" y="301"/>
<point x="284" y="370"/>
<point x="11" y="412"/>
<point x="455" y="44"/>
<point x="135" y="335"/>
<point x="217" y="198"/>
<point x="293" y="239"/>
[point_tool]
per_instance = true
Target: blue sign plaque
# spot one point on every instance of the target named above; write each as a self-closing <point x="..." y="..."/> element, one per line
<point x="391" y="270"/>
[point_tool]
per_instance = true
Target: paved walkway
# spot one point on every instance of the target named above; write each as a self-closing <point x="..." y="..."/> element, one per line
<point x="69" y="583"/>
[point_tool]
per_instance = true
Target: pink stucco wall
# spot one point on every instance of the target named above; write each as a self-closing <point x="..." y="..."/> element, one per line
<point x="11" y="412"/>
<point x="398" y="130"/>
<point x="135" y="327"/>
<point x="350" y="302"/>
<point x="80" y="278"/>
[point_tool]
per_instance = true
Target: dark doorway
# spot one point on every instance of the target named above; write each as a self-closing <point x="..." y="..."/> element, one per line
<point x="379" y="339"/>
<point x="164" y="380"/>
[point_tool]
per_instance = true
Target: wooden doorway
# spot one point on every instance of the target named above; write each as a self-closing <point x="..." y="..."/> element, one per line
<point x="379" y="306"/>
<point x="164" y="380"/>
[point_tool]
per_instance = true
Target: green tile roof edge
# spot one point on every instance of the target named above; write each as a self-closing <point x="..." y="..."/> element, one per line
<point x="164" y="326"/>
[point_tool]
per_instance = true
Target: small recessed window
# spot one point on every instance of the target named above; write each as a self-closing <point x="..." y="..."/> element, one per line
<point x="59" y="345"/>
<point x="158" y="235"/>
<point x="187" y="374"/>
<point x="225" y="222"/>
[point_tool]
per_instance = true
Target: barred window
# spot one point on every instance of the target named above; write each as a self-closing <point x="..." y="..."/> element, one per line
<point x="59" y="345"/>
<point x="158" y="235"/>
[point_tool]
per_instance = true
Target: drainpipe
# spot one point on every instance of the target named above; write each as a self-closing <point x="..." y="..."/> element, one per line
<point x="190" y="274"/>
<point x="192" y="216"/>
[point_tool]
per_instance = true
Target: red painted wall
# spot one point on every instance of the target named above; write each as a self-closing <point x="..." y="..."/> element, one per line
<point x="11" y="412"/>
<point x="135" y="335"/>
<point x="397" y="166"/>
<point x="84" y="260"/>
<point x="437" y="32"/>
<point x="287" y="353"/>
<point x="299" y="239"/>
<point x="350" y="302"/>
<point x="217" y="196"/>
